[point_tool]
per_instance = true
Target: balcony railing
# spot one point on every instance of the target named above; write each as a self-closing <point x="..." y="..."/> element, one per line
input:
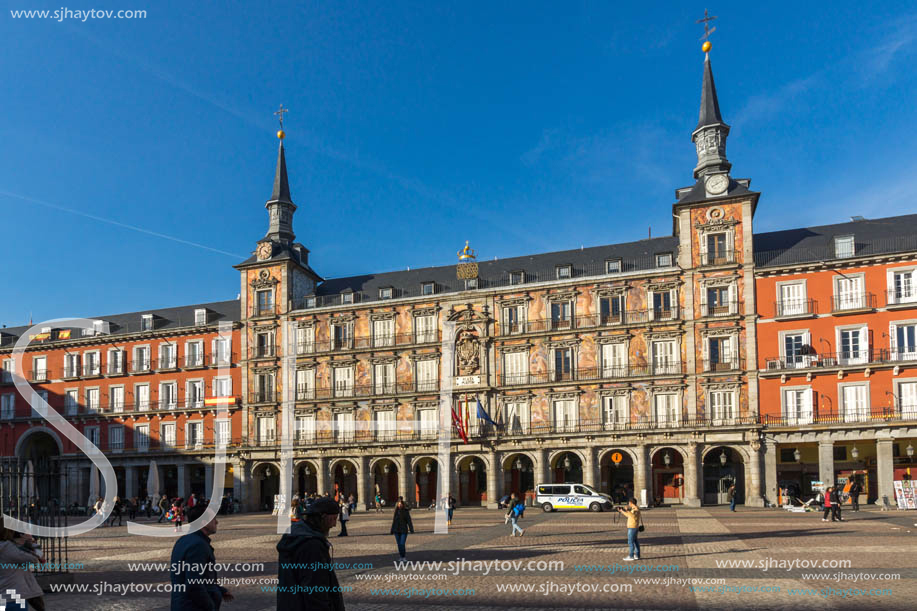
<point x="262" y="396"/>
<point x="91" y="370"/>
<point x="723" y="257"/>
<point x="114" y="369"/>
<point x="788" y="308"/>
<point x="849" y="358"/>
<point x="589" y="322"/>
<point x="717" y="365"/>
<point x="267" y="350"/>
<point x="167" y="363"/>
<point x="194" y="360"/>
<point x="140" y="366"/>
<point x="884" y="414"/>
<point x="902" y="296"/>
<point x="366" y="390"/>
<point x="220" y="360"/>
<point x="368" y="341"/>
<point x="40" y="375"/>
<point x="853" y="301"/>
<point x="585" y="374"/>
<point x="720" y="309"/>
<point x="71" y="372"/>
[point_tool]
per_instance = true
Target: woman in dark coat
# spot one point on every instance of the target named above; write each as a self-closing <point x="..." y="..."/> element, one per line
<point x="401" y="526"/>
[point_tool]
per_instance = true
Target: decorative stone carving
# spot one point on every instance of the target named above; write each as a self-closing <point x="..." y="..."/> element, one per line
<point x="468" y="352"/>
<point x="264" y="280"/>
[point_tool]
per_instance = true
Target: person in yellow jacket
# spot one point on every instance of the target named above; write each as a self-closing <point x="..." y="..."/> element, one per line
<point x="634" y="524"/>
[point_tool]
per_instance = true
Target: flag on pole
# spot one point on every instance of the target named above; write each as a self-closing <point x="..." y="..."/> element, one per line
<point x="457" y="423"/>
<point x="483" y="415"/>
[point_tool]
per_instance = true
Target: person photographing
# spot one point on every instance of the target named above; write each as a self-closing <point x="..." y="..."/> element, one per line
<point x="634" y="526"/>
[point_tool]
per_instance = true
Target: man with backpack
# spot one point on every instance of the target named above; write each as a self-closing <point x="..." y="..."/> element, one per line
<point x="516" y="509"/>
<point x="854" y="492"/>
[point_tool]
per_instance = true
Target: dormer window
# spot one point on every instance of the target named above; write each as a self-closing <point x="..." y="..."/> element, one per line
<point x="385" y="292"/>
<point x="427" y="288"/>
<point x="200" y="317"/>
<point x="146" y="322"/>
<point x="664" y="259"/>
<point x="347" y="297"/>
<point x="517" y="277"/>
<point x="310" y="302"/>
<point x="612" y="266"/>
<point x="471" y="284"/>
<point x="563" y="271"/>
<point x="844" y="246"/>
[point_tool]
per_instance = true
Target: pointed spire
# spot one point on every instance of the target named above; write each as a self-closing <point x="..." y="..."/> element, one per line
<point x="281" y="184"/>
<point x="709" y="105"/>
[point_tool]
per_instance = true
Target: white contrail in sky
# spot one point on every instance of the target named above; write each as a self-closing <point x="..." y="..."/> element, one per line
<point x="101" y="219"/>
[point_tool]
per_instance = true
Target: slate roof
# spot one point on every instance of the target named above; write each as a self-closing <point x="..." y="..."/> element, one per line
<point x="163" y="318"/>
<point x="709" y="104"/>
<point x="813" y="244"/>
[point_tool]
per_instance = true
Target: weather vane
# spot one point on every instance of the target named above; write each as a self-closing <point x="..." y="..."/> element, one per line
<point x="279" y="112"/>
<point x="707" y="30"/>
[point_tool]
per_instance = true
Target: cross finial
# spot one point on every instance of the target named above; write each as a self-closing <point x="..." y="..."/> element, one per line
<point x="279" y="112"/>
<point x="706" y="21"/>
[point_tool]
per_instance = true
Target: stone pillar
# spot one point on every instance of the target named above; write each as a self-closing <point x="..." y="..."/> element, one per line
<point x="691" y="498"/>
<point x="493" y="491"/>
<point x="208" y="480"/>
<point x="130" y="482"/>
<point x="589" y="467"/>
<point x="183" y="481"/>
<point x="753" y="481"/>
<point x="885" y="471"/>
<point x="826" y="462"/>
<point x="642" y="488"/>
<point x="541" y="467"/>
<point x="364" y="483"/>
<point x="770" y="471"/>
<point x="321" y="477"/>
<point x="405" y="480"/>
<point x="241" y="478"/>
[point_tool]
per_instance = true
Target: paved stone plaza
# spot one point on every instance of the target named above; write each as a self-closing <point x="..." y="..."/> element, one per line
<point x="693" y="540"/>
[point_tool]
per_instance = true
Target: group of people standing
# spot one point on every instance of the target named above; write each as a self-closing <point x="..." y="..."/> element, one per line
<point x="834" y="498"/>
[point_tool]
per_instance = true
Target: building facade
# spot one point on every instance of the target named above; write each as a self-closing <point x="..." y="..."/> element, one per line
<point x="668" y="368"/>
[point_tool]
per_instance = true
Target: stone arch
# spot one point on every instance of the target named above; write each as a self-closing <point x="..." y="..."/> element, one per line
<point x="514" y="480"/>
<point x="717" y="478"/>
<point x="261" y="465"/>
<point x="611" y="449"/>
<point x="351" y="462"/>
<point x="461" y="458"/>
<point x="373" y="462"/>
<point x="555" y="453"/>
<point x="39" y="429"/>
<point x="415" y="460"/>
<point x="515" y="454"/>
<point x="738" y="449"/>
<point x="681" y="451"/>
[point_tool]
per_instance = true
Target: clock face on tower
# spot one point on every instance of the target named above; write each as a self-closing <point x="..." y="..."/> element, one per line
<point x="264" y="251"/>
<point x="717" y="184"/>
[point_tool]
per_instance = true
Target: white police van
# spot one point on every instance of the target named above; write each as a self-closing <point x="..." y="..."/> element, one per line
<point x="570" y="496"/>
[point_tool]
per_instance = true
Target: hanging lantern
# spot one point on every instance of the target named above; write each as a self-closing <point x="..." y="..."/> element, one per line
<point x="429" y="467"/>
<point x="386" y="468"/>
<point x="307" y="470"/>
<point x="910" y="451"/>
<point x="797" y="455"/>
<point x="567" y="463"/>
<point x="518" y="464"/>
<point x="667" y="459"/>
<point x="267" y="472"/>
<point x="855" y="453"/>
<point x="472" y="466"/>
<point x="345" y="469"/>
<point x="723" y="458"/>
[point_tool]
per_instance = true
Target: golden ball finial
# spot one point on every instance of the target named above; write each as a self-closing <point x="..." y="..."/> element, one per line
<point x="280" y="134"/>
<point x="706" y="47"/>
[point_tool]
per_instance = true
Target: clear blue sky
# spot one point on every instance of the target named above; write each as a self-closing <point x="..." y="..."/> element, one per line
<point x="522" y="127"/>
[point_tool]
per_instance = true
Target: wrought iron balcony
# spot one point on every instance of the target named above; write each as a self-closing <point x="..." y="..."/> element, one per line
<point x="790" y="308"/>
<point x="365" y="342"/>
<point x="719" y="309"/>
<point x="849" y="358"/>
<point x="167" y="363"/>
<point x="589" y="374"/>
<point x="41" y="375"/>
<point x="853" y="302"/>
<point x="722" y="257"/>
<point x="92" y="370"/>
<point x="720" y="365"/>
<point x="140" y="366"/>
<point x="194" y="361"/>
<point x="903" y="296"/>
<point x="262" y="396"/>
<point x="906" y="413"/>
<point x="263" y="351"/>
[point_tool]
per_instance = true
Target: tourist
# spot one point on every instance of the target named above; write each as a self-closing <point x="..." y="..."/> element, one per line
<point x="634" y="526"/>
<point x="516" y="509"/>
<point x="306" y="578"/>
<point x="828" y="501"/>
<point x="178" y="509"/>
<point x="192" y="568"/>
<point x="294" y="509"/>
<point x="450" y="509"/>
<point x="192" y="500"/>
<point x="732" y="497"/>
<point x="163" y="508"/>
<point x="855" y="490"/>
<point x="836" y="504"/>
<point x="345" y="516"/>
<point x="503" y="502"/>
<point x="401" y="526"/>
<point x="17" y="551"/>
<point x="352" y="501"/>
<point x="132" y="508"/>
<point x="378" y="503"/>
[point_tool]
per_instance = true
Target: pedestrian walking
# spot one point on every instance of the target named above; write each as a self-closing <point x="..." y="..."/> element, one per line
<point x="163" y="508"/>
<point x="732" y="497"/>
<point x="345" y="517"/>
<point x="824" y="517"/>
<point x="192" y="568"/>
<point x="192" y="500"/>
<point x="306" y="577"/>
<point x="634" y="528"/>
<point x="17" y="551"/>
<point x="836" y="505"/>
<point x="516" y="508"/>
<point x="117" y="511"/>
<point x="132" y="508"/>
<point x="99" y="506"/>
<point x="450" y="509"/>
<point x="401" y="526"/>
<point x="352" y="501"/>
<point x="294" y="509"/>
<point x="378" y="503"/>
<point x="855" y="490"/>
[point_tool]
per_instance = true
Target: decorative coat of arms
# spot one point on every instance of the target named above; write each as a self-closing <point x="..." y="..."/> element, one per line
<point x="467" y="350"/>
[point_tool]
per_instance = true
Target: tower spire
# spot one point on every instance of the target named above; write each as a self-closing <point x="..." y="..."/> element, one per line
<point x="280" y="207"/>
<point x="709" y="136"/>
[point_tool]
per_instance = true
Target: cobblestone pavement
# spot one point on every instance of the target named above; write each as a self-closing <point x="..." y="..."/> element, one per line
<point x="678" y="544"/>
